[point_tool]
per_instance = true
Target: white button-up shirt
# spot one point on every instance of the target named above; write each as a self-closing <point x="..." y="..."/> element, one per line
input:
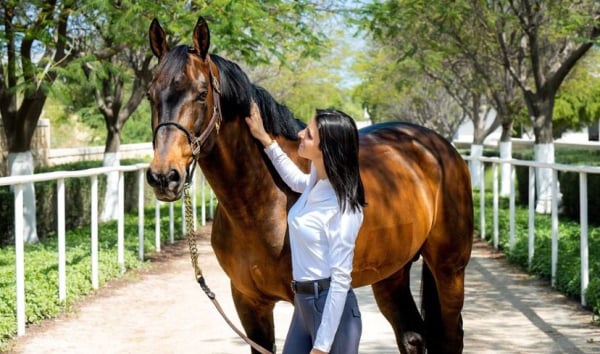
<point x="322" y="239"/>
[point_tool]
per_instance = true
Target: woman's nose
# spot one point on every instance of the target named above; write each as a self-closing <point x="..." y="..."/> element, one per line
<point x="301" y="134"/>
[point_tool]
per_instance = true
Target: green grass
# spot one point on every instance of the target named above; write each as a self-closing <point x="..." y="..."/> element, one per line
<point x="568" y="274"/>
<point x="41" y="267"/>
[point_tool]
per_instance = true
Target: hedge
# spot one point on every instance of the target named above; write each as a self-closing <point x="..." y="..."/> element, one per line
<point x="77" y="200"/>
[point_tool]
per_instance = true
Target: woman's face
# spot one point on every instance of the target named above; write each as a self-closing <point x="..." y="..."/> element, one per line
<point x="309" y="142"/>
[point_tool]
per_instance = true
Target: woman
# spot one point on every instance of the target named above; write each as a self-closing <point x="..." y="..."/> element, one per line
<point x="323" y="225"/>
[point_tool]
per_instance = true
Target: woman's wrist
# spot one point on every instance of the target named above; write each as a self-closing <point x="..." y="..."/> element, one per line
<point x="267" y="141"/>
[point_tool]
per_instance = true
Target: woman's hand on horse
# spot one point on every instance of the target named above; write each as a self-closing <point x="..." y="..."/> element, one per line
<point x="256" y="126"/>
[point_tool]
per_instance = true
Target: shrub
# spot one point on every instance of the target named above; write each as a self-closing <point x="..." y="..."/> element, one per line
<point x="568" y="273"/>
<point x="568" y="182"/>
<point x="77" y="200"/>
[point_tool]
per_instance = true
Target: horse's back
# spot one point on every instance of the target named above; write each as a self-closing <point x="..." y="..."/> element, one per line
<point x="411" y="174"/>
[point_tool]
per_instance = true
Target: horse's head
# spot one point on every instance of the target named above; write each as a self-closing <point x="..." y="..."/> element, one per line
<point x="186" y="114"/>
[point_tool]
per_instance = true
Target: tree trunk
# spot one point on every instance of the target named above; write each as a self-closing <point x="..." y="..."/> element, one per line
<point x="112" y="158"/>
<point x="593" y="131"/>
<point x="540" y="109"/>
<point x="19" y="127"/>
<point x="505" y="146"/>
<point x="479" y="134"/>
<point x="21" y="163"/>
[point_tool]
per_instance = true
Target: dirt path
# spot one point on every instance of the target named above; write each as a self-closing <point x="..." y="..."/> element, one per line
<point x="163" y="311"/>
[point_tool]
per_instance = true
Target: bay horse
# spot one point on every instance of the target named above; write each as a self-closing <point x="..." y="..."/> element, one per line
<point x="416" y="184"/>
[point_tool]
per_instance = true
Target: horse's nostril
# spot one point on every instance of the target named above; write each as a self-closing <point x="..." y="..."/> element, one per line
<point x="173" y="176"/>
<point x="162" y="180"/>
<point x="152" y="178"/>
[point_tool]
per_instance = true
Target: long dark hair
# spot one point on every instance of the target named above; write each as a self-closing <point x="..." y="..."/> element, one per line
<point x="339" y="144"/>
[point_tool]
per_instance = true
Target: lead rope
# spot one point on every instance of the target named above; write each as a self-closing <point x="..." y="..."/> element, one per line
<point x="198" y="272"/>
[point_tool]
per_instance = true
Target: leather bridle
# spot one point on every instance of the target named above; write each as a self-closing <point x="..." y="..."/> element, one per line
<point x="214" y="123"/>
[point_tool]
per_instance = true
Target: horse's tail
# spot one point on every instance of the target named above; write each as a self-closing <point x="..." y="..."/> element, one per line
<point x="431" y="312"/>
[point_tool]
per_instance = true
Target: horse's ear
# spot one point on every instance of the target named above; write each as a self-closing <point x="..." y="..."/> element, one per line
<point x="201" y="38"/>
<point x="158" y="39"/>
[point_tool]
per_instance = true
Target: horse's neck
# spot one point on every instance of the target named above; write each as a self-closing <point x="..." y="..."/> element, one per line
<point x="237" y="170"/>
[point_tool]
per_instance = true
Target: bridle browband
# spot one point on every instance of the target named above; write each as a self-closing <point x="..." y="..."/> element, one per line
<point x="214" y="123"/>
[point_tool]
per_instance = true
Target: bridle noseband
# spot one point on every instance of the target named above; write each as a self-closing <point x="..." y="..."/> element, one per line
<point x="214" y="123"/>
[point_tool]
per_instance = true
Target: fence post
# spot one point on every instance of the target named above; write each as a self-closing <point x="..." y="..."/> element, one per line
<point x="94" y="230"/>
<point x="62" y="259"/>
<point x="140" y="175"/>
<point x="511" y="241"/>
<point x="211" y="211"/>
<point x="531" y="244"/>
<point x="157" y="225"/>
<point x="495" y="205"/>
<point x="183" y="226"/>
<point x="121" y="224"/>
<point x="19" y="258"/>
<point x="203" y="197"/>
<point x="171" y="223"/>
<point x="194" y="198"/>
<point x="554" y="260"/>
<point x="583" y="221"/>
<point x="482" y="199"/>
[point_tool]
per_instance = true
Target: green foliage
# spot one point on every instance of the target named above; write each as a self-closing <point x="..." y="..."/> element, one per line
<point x="303" y="86"/>
<point x="568" y="273"/>
<point x="578" y="100"/>
<point x="41" y="268"/>
<point x="138" y="129"/>
<point x="592" y="294"/>
<point x="105" y="85"/>
<point x="485" y="57"/>
<point x="568" y="182"/>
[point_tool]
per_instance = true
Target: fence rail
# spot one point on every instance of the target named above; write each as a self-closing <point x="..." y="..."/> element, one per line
<point x="18" y="182"/>
<point x="583" y="171"/>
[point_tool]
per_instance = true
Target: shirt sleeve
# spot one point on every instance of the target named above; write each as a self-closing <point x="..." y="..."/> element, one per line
<point x="291" y="174"/>
<point x="341" y="233"/>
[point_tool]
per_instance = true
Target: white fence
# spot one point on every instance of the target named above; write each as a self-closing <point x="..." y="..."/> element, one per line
<point x="583" y="171"/>
<point x="17" y="183"/>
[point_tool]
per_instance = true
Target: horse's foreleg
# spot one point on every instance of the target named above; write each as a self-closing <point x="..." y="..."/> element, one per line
<point x="256" y="316"/>
<point x="396" y="302"/>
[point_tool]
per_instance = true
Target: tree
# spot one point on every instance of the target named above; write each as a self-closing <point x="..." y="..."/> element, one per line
<point x="117" y="63"/>
<point x="578" y="100"/>
<point x="305" y="84"/>
<point x="526" y="44"/>
<point x="35" y="41"/>
<point x="549" y="38"/>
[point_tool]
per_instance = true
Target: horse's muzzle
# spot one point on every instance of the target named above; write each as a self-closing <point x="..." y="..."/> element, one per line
<point x="167" y="186"/>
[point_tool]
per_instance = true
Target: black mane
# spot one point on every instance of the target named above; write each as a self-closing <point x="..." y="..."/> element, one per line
<point x="236" y="93"/>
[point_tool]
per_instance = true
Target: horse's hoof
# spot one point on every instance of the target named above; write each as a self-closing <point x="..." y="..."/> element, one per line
<point x="413" y="343"/>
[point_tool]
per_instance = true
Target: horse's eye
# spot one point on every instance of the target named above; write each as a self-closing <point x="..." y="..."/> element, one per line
<point x="201" y="96"/>
<point x="148" y="97"/>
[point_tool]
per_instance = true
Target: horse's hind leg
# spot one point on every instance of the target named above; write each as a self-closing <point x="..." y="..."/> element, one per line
<point x="443" y="297"/>
<point x="443" y="293"/>
<point x="396" y="302"/>
<point x="256" y="317"/>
